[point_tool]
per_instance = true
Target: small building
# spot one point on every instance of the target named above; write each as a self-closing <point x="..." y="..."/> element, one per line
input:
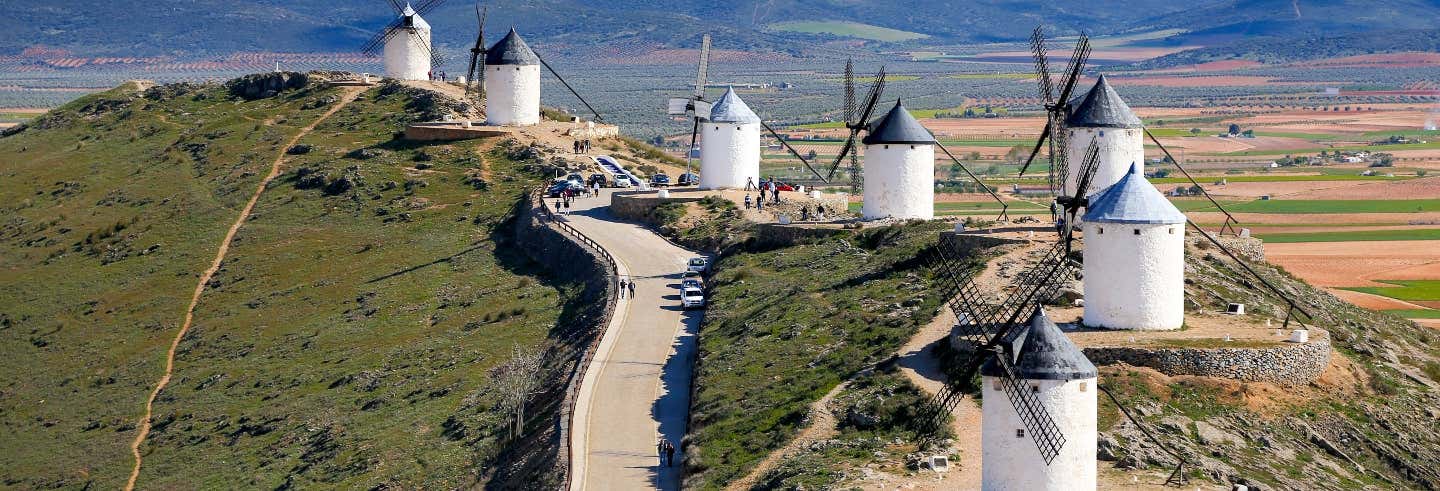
<point x="1064" y="381"/>
<point x="899" y="168"/>
<point x="1134" y="258"/>
<point x="407" y="52"/>
<point x="512" y="83"/>
<point x="730" y="145"/>
<point x="1102" y="116"/>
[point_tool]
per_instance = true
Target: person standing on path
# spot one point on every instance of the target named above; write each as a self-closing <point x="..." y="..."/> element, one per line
<point x="760" y="203"/>
<point x="660" y="449"/>
<point x="669" y="454"/>
<point x="622" y="287"/>
<point x="632" y="288"/>
<point x="747" y="201"/>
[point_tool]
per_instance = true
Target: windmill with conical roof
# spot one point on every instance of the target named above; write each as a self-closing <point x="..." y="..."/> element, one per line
<point x="512" y="83"/>
<point x="405" y="43"/>
<point x="730" y="148"/>
<point x="899" y="167"/>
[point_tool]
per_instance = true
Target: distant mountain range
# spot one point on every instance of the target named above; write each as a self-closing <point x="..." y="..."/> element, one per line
<point x="211" y="27"/>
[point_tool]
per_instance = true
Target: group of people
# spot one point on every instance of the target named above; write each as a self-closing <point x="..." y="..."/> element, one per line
<point x="569" y="195"/>
<point x="666" y="451"/>
<point x="766" y="185"/>
<point x="433" y="76"/>
<point x="627" y="287"/>
<point x="581" y="146"/>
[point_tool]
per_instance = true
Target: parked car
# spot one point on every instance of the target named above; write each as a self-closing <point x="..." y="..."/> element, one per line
<point x="698" y="264"/>
<point x="596" y="178"/>
<point x="692" y="283"/>
<point x="688" y="179"/>
<point x="555" y="189"/>
<point x="691" y="298"/>
<point x="660" y="180"/>
<point x="621" y="181"/>
<point x="784" y="186"/>
<point x="575" y="176"/>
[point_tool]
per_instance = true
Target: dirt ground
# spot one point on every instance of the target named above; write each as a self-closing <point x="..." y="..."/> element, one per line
<point x="1340" y="264"/>
<point x="1424" y="188"/>
<point x="1290" y="189"/>
<point x="1321" y="218"/>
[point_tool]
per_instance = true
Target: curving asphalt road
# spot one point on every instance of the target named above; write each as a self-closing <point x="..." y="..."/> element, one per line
<point x="639" y="386"/>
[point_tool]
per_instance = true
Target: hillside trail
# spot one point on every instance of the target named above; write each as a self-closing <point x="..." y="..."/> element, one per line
<point x="822" y="426"/>
<point x="350" y="93"/>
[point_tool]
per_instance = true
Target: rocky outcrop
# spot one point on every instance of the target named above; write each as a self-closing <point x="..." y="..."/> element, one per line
<point x="266" y="85"/>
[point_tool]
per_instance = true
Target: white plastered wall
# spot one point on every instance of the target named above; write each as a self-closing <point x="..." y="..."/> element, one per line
<point x="729" y="155"/>
<point x="899" y="181"/>
<point x="512" y="95"/>
<point x="1014" y="463"/>
<point x="406" y="57"/>
<point x="1119" y="147"/>
<point x="1134" y="282"/>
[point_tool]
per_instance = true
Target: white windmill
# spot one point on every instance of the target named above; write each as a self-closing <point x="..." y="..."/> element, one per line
<point x="1134" y="257"/>
<point x="512" y="82"/>
<point x="899" y="169"/>
<point x="405" y="43"/>
<point x="730" y="150"/>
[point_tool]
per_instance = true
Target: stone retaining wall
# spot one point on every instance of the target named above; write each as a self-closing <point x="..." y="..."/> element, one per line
<point x="636" y="205"/>
<point x="1287" y="364"/>
<point x="575" y="340"/>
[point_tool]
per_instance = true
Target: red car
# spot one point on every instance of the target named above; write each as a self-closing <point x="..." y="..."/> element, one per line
<point x="784" y="187"/>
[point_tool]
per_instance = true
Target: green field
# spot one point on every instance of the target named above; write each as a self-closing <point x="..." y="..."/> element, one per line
<point x="1362" y="236"/>
<point x="1336" y="206"/>
<point x="1416" y="313"/>
<point x="987" y="76"/>
<point x="847" y="29"/>
<point x="1206" y="180"/>
<point x="1410" y="290"/>
<point x="869" y="79"/>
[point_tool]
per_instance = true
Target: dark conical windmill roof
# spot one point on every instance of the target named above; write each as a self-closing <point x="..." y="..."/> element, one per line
<point x="1102" y="107"/>
<point x="1042" y="352"/>
<point x="1132" y="200"/>
<point x="511" y="50"/>
<point x="897" y="126"/>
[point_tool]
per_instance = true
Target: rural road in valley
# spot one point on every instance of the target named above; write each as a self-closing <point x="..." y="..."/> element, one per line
<point x="640" y="386"/>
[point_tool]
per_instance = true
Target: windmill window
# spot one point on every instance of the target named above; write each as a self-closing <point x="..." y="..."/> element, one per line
<point x="1171" y="230"/>
<point x="1100" y="230"/>
<point x="1034" y="387"/>
<point x="1137" y="231"/>
<point x="1082" y="386"/>
<point x="887" y="147"/>
<point x="1102" y="133"/>
<point x="1019" y="432"/>
<point x="737" y="128"/>
<point x="912" y="147"/>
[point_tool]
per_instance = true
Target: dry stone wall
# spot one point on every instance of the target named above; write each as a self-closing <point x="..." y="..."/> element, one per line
<point x="1287" y="364"/>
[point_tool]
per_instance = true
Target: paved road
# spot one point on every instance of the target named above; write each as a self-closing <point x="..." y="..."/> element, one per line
<point x="641" y="390"/>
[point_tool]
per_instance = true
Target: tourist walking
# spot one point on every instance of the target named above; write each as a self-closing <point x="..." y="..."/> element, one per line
<point x="669" y="454"/>
<point x="575" y="147"/>
<point x="805" y="213"/>
<point x="660" y="449"/>
<point x="820" y="212"/>
<point x="632" y="288"/>
<point x="760" y="203"/>
<point x="622" y="287"/>
<point x="747" y="201"/>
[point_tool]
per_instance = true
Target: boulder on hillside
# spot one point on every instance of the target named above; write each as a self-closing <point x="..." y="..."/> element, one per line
<point x="265" y="85"/>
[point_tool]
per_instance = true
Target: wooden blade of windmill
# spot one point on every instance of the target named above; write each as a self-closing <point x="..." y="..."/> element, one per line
<point x="1059" y="161"/>
<point x="1293" y="305"/>
<point x="793" y="151"/>
<point x="690" y="151"/>
<point x="1088" y="168"/>
<point x="845" y="149"/>
<point x="849" y="92"/>
<point x="1039" y="425"/>
<point x="1229" y="219"/>
<point x="702" y="69"/>
<point x="1072" y="74"/>
<point x="372" y="46"/>
<point x="598" y="117"/>
<point x="436" y="59"/>
<point x="426" y="6"/>
<point x="1039" y="143"/>
<point x="1004" y="208"/>
<point x="1042" y="66"/>
<point x="872" y="98"/>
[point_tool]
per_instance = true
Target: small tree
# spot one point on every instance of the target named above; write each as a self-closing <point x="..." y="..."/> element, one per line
<point x="1196" y="131"/>
<point x="1234" y="129"/>
<point x="516" y="380"/>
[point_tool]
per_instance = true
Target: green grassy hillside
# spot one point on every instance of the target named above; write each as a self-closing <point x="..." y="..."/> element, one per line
<point x="785" y="326"/>
<point x="346" y="340"/>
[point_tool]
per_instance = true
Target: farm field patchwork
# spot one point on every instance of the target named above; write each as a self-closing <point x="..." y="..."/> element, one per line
<point x="1337" y="206"/>
<point x="1354" y="236"/>
<point x="1408" y="290"/>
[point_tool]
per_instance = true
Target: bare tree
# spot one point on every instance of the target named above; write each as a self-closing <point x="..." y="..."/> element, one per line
<point x="516" y="380"/>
